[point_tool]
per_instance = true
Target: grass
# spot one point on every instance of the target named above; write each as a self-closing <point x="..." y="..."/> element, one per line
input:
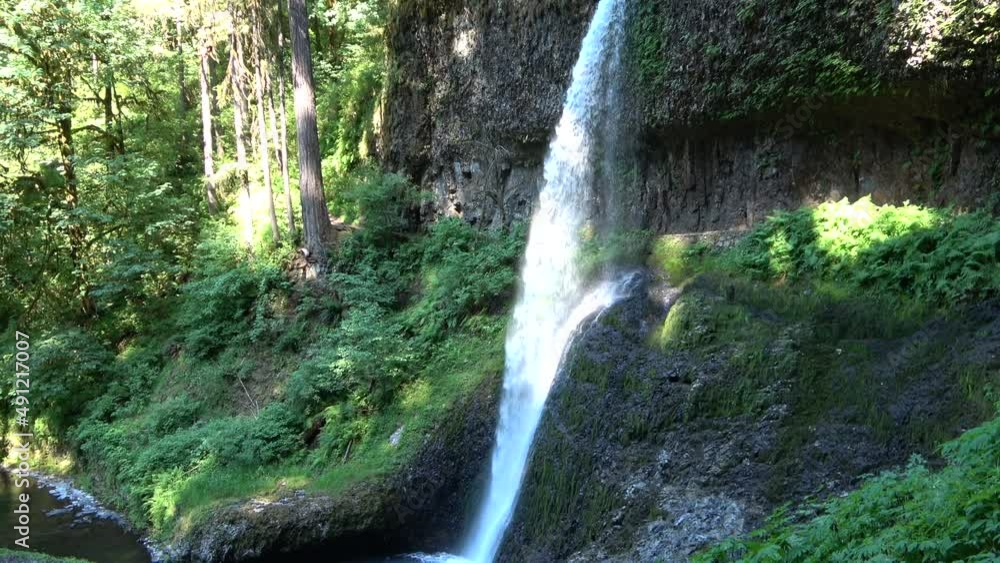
<point x="15" y="556"/>
<point x="460" y="365"/>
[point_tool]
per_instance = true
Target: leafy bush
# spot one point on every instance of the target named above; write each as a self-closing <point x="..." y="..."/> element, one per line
<point x="370" y="275"/>
<point x="178" y="450"/>
<point x="172" y="415"/>
<point x="76" y="368"/>
<point x="229" y="297"/>
<point x="926" y="253"/>
<point x="464" y="271"/>
<point x="272" y="437"/>
<point x="384" y="203"/>
<point x="134" y="462"/>
<point x="915" y="515"/>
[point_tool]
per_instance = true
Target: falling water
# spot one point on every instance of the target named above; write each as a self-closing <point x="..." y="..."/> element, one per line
<point x="554" y="300"/>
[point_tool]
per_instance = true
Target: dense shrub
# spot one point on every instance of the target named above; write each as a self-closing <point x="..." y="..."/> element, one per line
<point x="133" y="460"/>
<point x="75" y="367"/>
<point x="228" y="298"/>
<point x="271" y="437"/>
<point x="400" y="301"/>
<point x="384" y="203"/>
<point x="931" y="254"/>
<point x="171" y="415"/>
<point x="463" y="271"/>
<point x="178" y="450"/>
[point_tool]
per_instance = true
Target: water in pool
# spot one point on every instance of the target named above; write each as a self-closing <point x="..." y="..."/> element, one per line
<point x="64" y="527"/>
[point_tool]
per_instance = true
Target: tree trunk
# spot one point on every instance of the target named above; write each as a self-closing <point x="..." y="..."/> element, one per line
<point x="281" y="155"/>
<point x="282" y="143"/>
<point x="113" y="120"/>
<point x="118" y="118"/>
<point x="77" y="232"/>
<point x="315" y="217"/>
<point x="265" y="157"/>
<point x="214" y="80"/>
<point x="109" y="123"/>
<point x="184" y="155"/>
<point x="206" y="130"/>
<point x="181" y="70"/>
<point x="239" y="118"/>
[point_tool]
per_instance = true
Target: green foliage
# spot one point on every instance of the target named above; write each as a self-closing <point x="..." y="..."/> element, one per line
<point x="935" y="255"/>
<point x="135" y="460"/>
<point x="402" y="300"/>
<point x="675" y="258"/>
<point x="352" y="73"/>
<point x="646" y="48"/>
<point x="172" y="415"/>
<point x="271" y="437"/>
<point x="383" y="202"/>
<point x="107" y="227"/>
<point x="181" y="363"/>
<point x="915" y="515"/>
<point x="74" y="365"/>
<point x="364" y="360"/>
<point x="464" y="272"/>
<point x="406" y="330"/>
<point x="229" y="299"/>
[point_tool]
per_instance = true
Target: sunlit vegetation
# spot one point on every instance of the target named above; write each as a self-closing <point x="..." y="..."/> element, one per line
<point x="229" y="299"/>
<point x="187" y="417"/>
<point x="938" y="256"/>
<point x="187" y="361"/>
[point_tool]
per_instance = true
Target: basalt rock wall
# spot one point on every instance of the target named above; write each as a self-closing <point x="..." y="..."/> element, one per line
<point x="739" y="108"/>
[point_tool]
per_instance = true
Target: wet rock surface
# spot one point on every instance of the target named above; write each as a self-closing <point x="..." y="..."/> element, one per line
<point x="629" y="465"/>
<point x="83" y="507"/>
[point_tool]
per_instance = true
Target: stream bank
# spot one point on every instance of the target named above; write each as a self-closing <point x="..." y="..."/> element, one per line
<point x="422" y="507"/>
<point x="68" y="522"/>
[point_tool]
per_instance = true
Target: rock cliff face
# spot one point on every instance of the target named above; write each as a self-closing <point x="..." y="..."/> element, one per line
<point x="648" y="453"/>
<point x="473" y="96"/>
<point x="737" y="108"/>
<point x="740" y="108"/>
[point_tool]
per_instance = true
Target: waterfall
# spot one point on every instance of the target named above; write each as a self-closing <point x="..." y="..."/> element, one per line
<point x="554" y="300"/>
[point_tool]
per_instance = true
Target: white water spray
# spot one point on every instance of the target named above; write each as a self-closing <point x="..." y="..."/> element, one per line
<point x="553" y="300"/>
